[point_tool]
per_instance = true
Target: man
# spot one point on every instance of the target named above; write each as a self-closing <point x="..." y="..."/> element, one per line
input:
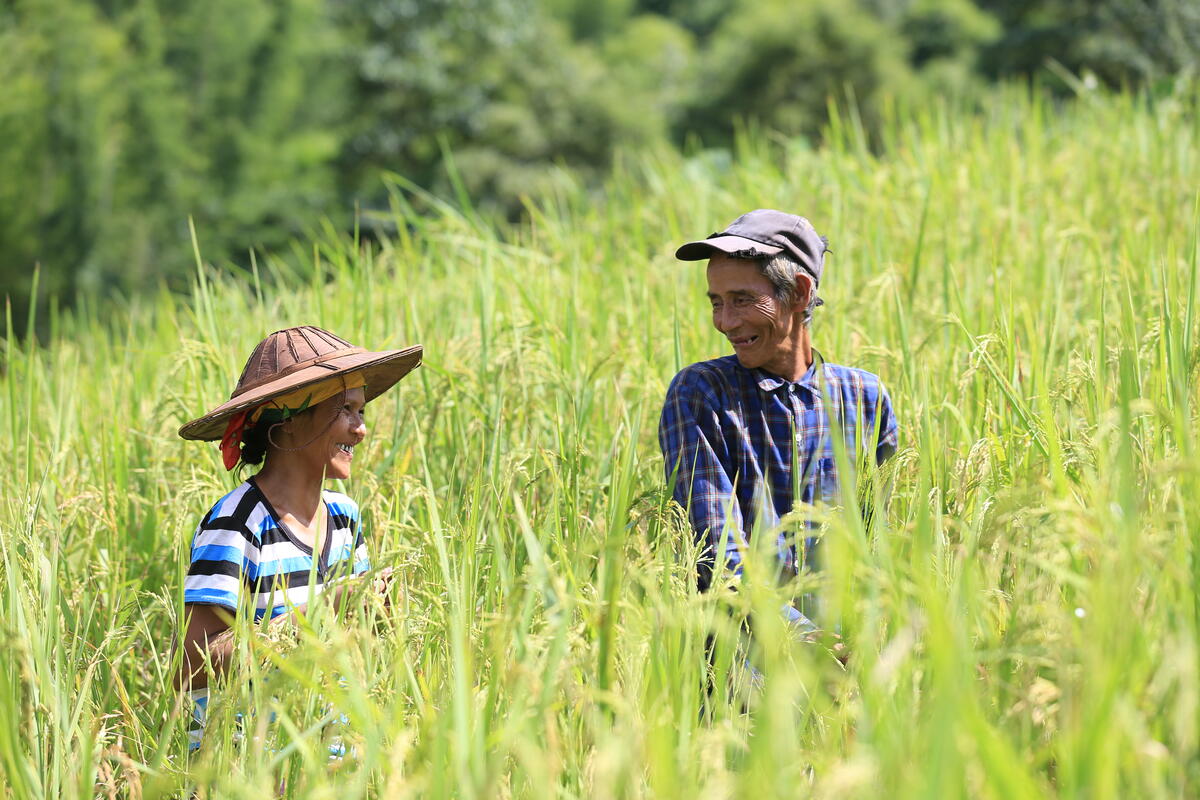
<point x="746" y="436"/>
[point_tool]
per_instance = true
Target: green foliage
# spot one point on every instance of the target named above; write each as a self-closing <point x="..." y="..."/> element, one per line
<point x="778" y="63"/>
<point x="946" y="30"/>
<point x="264" y="120"/>
<point x="592" y="19"/>
<point x="506" y="91"/>
<point x="59" y="66"/>
<point x="655" y="61"/>
<point x="123" y="123"/>
<point x="1022" y="619"/>
<point x="1120" y="41"/>
<point x="422" y="72"/>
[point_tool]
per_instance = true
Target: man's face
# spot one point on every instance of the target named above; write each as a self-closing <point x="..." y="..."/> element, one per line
<point x="745" y="310"/>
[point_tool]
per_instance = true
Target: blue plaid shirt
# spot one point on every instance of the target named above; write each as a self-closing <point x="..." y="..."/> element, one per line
<point x="727" y="435"/>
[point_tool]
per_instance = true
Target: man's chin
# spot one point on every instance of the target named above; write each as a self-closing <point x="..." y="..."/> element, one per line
<point x="747" y="361"/>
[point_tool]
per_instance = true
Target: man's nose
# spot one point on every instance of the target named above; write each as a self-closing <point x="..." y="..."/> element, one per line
<point x="725" y="319"/>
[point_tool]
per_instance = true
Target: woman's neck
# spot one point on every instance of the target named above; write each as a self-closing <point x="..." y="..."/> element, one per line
<point x="291" y="488"/>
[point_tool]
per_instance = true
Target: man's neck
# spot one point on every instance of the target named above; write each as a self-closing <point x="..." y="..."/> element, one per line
<point x="799" y="359"/>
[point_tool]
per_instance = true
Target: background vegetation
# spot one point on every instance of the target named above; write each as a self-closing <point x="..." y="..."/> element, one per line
<point x="259" y="119"/>
<point x="1023" y="623"/>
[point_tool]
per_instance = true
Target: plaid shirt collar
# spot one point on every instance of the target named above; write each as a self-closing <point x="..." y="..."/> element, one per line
<point x="770" y="383"/>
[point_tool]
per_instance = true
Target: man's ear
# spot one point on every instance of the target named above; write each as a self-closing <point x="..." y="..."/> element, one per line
<point x="804" y="290"/>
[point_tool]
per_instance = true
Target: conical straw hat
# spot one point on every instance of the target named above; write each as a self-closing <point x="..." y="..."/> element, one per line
<point x="297" y="357"/>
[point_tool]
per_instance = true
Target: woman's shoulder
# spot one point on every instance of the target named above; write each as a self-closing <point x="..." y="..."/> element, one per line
<point x="239" y="507"/>
<point x="340" y="504"/>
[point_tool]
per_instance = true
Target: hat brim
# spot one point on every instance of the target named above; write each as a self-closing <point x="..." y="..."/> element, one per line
<point x="738" y="246"/>
<point x="381" y="370"/>
<point x="729" y="245"/>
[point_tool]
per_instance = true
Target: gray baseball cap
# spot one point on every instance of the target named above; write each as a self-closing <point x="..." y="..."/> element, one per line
<point x="764" y="233"/>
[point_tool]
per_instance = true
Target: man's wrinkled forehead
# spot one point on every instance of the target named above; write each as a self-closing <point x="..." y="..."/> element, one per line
<point x="732" y="274"/>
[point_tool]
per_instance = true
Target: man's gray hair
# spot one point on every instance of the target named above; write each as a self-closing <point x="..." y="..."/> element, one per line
<point x="782" y="270"/>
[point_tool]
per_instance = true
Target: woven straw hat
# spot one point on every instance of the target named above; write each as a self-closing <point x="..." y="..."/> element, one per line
<point x="296" y="357"/>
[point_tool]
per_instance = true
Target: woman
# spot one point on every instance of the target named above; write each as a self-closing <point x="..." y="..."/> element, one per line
<point x="278" y="539"/>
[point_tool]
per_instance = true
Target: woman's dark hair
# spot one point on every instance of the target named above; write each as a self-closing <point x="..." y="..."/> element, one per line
<point x="256" y="440"/>
<point x="255" y="443"/>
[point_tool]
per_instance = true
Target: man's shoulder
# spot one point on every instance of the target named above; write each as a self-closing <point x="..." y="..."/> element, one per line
<point x="715" y="375"/>
<point x="855" y="384"/>
<point x="852" y="375"/>
<point x="714" y="371"/>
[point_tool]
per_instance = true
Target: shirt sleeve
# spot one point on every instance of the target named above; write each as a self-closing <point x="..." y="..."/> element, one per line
<point x="889" y="432"/>
<point x="698" y="467"/>
<point x="362" y="558"/>
<point x="224" y="559"/>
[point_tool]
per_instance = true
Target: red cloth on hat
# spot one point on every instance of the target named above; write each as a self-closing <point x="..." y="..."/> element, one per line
<point x="231" y="442"/>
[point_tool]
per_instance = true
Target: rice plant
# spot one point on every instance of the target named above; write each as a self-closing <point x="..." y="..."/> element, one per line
<point x="1022" y="621"/>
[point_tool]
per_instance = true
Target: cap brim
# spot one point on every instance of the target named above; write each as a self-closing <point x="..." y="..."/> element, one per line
<point x="729" y="245"/>
<point x="381" y="370"/>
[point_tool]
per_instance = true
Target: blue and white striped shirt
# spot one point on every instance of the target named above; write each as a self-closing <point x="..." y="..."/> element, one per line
<point x="746" y="445"/>
<point x="242" y="553"/>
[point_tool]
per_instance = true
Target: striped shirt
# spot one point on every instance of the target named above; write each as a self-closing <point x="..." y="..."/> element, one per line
<point x="243" y="553"/>
<point x="742" y="446"/>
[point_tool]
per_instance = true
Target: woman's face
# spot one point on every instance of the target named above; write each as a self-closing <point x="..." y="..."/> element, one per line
<point x="328" y="446"/>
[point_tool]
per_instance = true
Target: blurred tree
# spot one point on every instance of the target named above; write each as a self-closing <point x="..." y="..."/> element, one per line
<point x="234" y="118"/>
<point x="654" y="58"/>
<point x="946" y="30"/>
<point x="591" y="19"/>
<point x="122" y="119"/>
<point x="422" y="73"/>
<point x="501" y="86"/>
<point x="1143" y="40"/>
<point x="778" y="62"/>
<point x="1121" y="41"/>
<point x="570" y="104"/>
<point x="59" y="68"/>
<point x="700" y="17"/>
<point x="944" y="40"/>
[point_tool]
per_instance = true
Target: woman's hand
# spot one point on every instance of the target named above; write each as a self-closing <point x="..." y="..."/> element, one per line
<point x="381" y="581"/>
<point x="383" y="586"/>
<point x="368" y="585"/>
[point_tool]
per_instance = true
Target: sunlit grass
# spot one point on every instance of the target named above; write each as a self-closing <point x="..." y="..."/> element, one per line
<point x="1022" y="623"/>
